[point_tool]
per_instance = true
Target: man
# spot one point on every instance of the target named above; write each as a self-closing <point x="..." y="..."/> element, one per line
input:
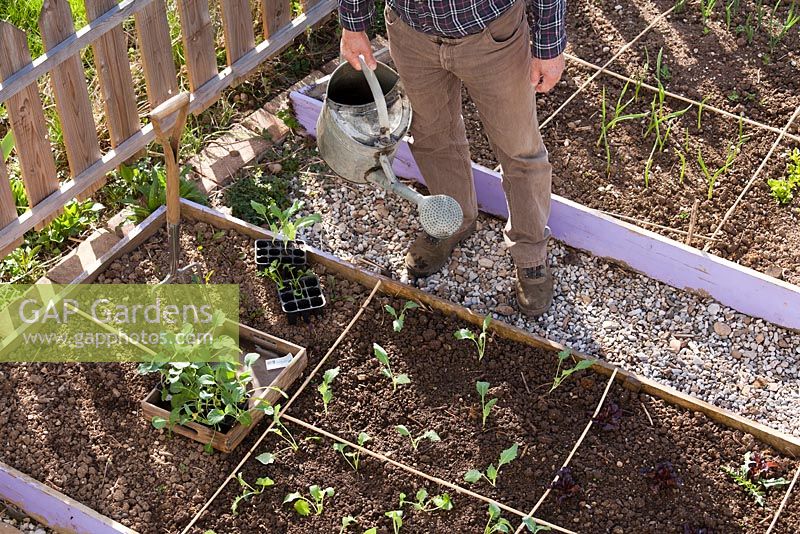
<point x="437" y="45"/>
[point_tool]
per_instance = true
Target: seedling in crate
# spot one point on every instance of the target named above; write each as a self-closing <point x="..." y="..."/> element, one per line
<point x="430" y="435"/>
<point x="423" y="502"/>
<point x="506" y="457"/>
<point x="273" y="272"/>
<point x="400" y="317"/>
<point x="248" y="491"/>
<point x="353" y="458"/>
<point x="304" y="505"/>
<point x="756" y="475"/>
<point x="478" y="339"/>
<point x="283" y="223"/>
<point x="496" y="522"/>
<point x="563" y="374"/>
<point x="609" y="416"/>
<point x="325" y="389"/>
<point x="386" y="368"/>
<point x="397" y="520"/>
<point x="662" y="476"/>
<point x="486" y="406"/>
<point x="565" y="486"/>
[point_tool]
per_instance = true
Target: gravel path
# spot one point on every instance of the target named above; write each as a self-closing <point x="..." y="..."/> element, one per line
<point x="21" y="523"/>
<point x="691" y="343"/>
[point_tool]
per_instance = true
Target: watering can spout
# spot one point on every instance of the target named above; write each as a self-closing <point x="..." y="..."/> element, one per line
<point x="364" y="116"/>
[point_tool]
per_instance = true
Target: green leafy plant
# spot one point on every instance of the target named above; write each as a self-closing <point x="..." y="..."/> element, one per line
<point x="486" y="406"/>
<point x="314" y="502"/>
<point x="733" y="151"/>
<point x="700" y="109"/>
<point x="782" y="28"/>
<point x="284" y="223"/>
<point x="478" y="339"/>
<point x="397" y="520"/>
<point x="429" y="435"/>
<point x="346" y="522"/>
<point x="755" y="476"/>
<point x="249" y="491"/>
<point x="496" y="522"/>
<point x="74" y="220"/>
<point x="423" y="502"/>
<point x="533" y="526"/>
<point x="748" y="29"/>
<point x="563" y="374"/>
<point x="6" y="146"/>
<point x="782" y="189"/>
<point x="325" y="389"/>
<point x="153" y="193"/>
<point x="706" y="10"/>
<point x="386" y="368"/>
<point x="608" y="124"/>
<point x="506" y="457"/>
<point x="353" y="458"/>
<point x="278" y="428"/>
<point x="400" y="317"/>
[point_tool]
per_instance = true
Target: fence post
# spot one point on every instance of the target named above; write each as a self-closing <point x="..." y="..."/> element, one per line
<point x="237" y="25"/>
<point x="8" y="209"/>
<point x="155" y="44"/>
<point x="198" y="42"/>
<point x="276" y="14"/>
<point x="114" y="72"/>
<point x="27" y="122"/>
<point x="71" y="93"/>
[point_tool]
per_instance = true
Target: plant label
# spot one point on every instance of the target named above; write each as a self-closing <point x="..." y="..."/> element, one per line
<point x="278" y="363"/>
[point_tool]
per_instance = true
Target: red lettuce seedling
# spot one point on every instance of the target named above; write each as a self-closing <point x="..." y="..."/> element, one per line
<point x="760" y="467"/>
<point x="756" y="475"/>
<point x="566" y="486"/>
<point x="662" y="476"/>
<point x="609" y="416"/>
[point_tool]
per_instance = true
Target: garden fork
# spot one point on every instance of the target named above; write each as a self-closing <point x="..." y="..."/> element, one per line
<point x="170" y="140"/>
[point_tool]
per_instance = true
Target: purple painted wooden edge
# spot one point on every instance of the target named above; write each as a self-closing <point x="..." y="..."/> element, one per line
<point x="658" y="257"/>
<point x="52" y="508"/>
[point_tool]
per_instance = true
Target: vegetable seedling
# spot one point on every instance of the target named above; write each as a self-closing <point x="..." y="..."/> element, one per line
<point x="346" y="522"/>
<point x="662" y="476"/>
<point x="486" y="406"/>
<point x="506" y="457"/>
<point x="565" y="485"/>
<point x="397" y="520"/>
<point x="563" y="374"/>
<point x="430" y="435"/>
<point x="496" y="522"/>
<point x="532" y="526"/>
<point x="325" y="389"/>
<point x="386" y="368"/>
<point x="609" y="416"/>
<point x="756" y="475"/>
<point x="478" y="339"/>
<point x="783" y="189"/>
<point x="283" y="223"/>
<point x="278" y="428"/>
<point x="353" y="458"/>
<point x="423" y="502"/>
<point x="249" y="491"/>
<point x="304" y="506"/>
<point x="400" y="317"/>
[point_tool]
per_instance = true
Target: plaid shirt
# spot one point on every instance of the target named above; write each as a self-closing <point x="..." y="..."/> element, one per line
<point x="457" y="18"/>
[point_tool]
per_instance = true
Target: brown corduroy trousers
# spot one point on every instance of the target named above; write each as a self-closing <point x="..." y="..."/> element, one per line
<point x="495" y="67"/>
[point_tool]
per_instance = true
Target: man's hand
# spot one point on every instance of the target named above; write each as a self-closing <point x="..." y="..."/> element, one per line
<point x="545" y="73"/>
<point x="354" y="44"/>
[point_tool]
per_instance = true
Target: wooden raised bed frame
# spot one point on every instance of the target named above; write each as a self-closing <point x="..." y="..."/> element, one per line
<point x="279" y="378"/>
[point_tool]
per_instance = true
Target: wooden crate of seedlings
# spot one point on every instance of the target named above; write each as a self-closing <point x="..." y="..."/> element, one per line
<point x="279" y="364"/>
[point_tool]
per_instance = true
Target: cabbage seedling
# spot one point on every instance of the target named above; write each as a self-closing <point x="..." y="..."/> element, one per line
<point x="533" y="526"/>
<point x="400" y="317"/>
<point x="506" y="457"/>
<point x="496" y="522"/>
<point x="430" y="435"/>
<point x="478" y="339"/>
<point x="346" y="522"/>
<point x="353" y="458"/>
<point x="278" y="427"/>
<point x="563" y="374"/>
<point x="386" y="368"/>
<point x="325" y="387"/>
<point x="397" y="520"/>
<point x="428" y="503"/>
<point x="249" y="491"/>
<point x="304" y="506"/>
<point x="486" y="406"/>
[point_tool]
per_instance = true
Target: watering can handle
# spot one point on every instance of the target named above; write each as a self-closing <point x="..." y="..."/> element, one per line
<point x="377" y="95"/>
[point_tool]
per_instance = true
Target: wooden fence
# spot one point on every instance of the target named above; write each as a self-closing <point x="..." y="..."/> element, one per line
<point x="88" y="166"/>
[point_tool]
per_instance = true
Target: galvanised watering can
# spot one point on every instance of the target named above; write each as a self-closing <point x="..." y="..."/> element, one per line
<point x="364" y="115"/>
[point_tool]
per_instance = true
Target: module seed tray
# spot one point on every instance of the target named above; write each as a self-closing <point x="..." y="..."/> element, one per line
<point x="288" y="253"/>
<point x="281" y="377"/>
<point x="310" y="299"/>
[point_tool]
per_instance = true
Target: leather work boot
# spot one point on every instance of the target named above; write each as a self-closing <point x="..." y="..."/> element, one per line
<point x="534" y="289"/>
<point x="429" y="254"/>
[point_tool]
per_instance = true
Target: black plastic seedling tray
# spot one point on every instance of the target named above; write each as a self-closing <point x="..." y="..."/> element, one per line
<point x="306" y="301"/>
<point x="288" y="253"/>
